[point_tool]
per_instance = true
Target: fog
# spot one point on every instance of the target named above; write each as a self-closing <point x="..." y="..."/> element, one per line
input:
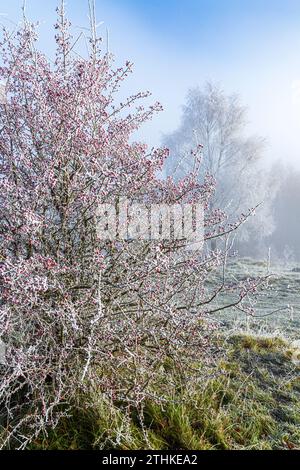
<point x="255" y="57"/>
<point x="258" y="61"/>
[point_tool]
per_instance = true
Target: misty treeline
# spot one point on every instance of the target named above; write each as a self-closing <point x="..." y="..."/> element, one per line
<point x="244" y="180"/>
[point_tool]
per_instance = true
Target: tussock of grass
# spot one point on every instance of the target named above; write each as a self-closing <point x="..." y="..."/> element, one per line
<point x="259" y="343"/>
<point x="250" y="402"/>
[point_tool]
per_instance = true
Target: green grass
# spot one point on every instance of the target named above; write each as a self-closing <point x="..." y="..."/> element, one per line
<point x="251" y="400"/>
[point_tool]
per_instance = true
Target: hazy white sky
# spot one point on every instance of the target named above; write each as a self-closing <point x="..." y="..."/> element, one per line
<point x="249" y="47"/>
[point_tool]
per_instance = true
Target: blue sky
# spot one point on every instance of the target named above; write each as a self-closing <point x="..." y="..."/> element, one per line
<point x="249" y="47"/>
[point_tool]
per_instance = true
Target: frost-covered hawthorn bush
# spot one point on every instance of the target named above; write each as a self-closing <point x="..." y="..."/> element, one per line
<point x="77" y="311"/>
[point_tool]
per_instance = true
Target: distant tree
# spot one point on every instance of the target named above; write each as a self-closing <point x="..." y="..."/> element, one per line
<point x="218" y="123"/>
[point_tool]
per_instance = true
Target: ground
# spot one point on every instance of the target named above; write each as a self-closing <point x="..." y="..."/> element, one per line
<point x="282" y="296"/>
<point x="248" y="397"/>
<point x="251" y="400"/>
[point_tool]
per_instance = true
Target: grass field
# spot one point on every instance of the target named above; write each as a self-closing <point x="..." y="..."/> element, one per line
<point x="248" y="398"/>
<point x="283" y="293"/>
<point x="250" y="401"/>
